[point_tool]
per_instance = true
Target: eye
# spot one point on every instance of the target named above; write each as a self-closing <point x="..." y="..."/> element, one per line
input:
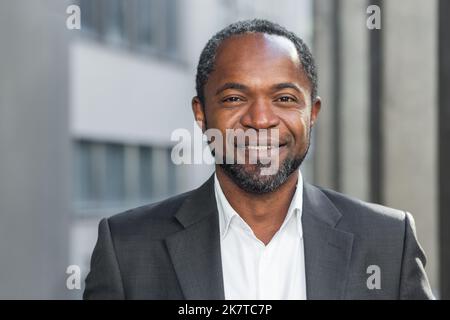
<point x="232" y="99"/>
<point x="286" y="99"/>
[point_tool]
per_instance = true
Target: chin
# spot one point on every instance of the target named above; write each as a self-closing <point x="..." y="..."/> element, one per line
<point x="249" y="178"/>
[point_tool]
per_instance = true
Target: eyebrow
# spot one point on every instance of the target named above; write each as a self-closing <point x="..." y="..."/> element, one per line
<point x="287" y="85"/>
<point x="241" y="87"/>
<point x="231" y="85"/>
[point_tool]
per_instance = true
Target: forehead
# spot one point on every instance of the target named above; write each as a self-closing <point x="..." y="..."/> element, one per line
<point x="257" y="57"/>
<point x="256" y="45"/>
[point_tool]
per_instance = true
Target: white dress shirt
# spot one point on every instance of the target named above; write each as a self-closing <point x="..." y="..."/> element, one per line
<point x="252" y="270"/>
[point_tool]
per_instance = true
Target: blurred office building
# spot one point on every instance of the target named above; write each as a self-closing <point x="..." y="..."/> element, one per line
<point x="87" y="117"/>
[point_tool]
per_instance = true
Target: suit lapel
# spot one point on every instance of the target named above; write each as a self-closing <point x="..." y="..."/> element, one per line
<point x="327" y="249"/>
<point x="195" y="250"/>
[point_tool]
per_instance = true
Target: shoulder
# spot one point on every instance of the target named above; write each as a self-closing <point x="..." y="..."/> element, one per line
<point x="378" y="231"/>
<point x="158" y="220"/>
<point x="155" y="219"/>
<point x="367" y="218"/>
<point x="350" y="206"/>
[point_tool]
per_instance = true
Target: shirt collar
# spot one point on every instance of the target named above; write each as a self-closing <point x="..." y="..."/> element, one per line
<point x="227" y="213"/>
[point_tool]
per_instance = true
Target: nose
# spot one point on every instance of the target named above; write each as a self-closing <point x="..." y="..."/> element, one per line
<point x="260" y="115"/>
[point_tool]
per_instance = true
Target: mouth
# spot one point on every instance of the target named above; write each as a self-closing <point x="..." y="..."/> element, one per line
<point x="260" y="151"/>
<point x="260" y="147"/>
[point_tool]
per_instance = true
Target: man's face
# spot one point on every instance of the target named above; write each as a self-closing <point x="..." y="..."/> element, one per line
<point x="258" y="83"/>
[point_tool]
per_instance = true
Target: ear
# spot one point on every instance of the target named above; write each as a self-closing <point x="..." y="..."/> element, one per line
<point x="199" y="113"/>
<point x="315" y="109"/>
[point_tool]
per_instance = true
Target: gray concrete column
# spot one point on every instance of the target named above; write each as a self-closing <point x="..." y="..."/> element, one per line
<point x="410" y="116"/>
<point x="342" y="132"/>
<point x="323" y="50"/>
<point x="34" y="150"/>
<point x="354" y="104"/>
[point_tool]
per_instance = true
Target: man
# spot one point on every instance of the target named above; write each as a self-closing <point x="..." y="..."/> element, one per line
<point x="245" y="235"/>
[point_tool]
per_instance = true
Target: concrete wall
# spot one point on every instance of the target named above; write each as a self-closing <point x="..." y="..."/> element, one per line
<point x="323" y="132"/>
<point x="354" y="99"/>
<point x="408" y="108"/>
<point x="410" y="117"/>
<point x="34" y="150"/>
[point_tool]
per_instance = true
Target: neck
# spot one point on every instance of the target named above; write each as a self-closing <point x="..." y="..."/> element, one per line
<point x="264" y="213"/>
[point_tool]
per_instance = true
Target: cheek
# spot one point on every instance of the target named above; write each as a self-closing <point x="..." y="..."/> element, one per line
<point x="298" y="124"/>
<point x="222" y="119"/>
<point x="214" y="120"/>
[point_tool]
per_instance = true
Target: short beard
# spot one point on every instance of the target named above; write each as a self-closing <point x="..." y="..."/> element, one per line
<point x="253" y="182"/>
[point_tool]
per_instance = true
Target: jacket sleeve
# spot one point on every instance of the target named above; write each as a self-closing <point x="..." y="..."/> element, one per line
<point x="414" y="283"/>
<point x="104" y="279"/>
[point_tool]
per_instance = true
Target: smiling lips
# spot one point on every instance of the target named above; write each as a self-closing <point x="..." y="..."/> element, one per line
<point x="265" y="148"/>
<point x="261" y="147"/>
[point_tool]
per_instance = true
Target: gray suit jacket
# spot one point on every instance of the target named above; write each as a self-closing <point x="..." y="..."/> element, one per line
<point x="171" y="250"/>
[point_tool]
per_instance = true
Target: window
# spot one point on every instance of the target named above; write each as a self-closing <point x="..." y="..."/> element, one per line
<point x="145" y="177"/>
<point x="113" y="181"/>
<point x="114" y="177"/>
<point x="147" y="22"/>
<point x="113" y="20"/>
<point x="171" y="21"/>
<point x="89" y="18"/>
<point x="148" y="26"/>
<point x="83" y="169"/>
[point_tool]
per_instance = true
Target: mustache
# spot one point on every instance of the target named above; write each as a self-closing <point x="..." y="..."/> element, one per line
<point x="249" y="138"/>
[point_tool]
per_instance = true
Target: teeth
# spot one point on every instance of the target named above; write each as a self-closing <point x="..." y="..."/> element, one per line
<point x="260" y="147"/>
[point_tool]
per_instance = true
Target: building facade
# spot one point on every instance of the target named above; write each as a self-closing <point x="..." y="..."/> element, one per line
<point x="383" y="132"/>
